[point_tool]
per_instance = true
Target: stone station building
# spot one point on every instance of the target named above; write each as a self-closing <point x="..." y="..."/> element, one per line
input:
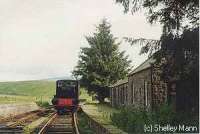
<point x="143" y="88"/>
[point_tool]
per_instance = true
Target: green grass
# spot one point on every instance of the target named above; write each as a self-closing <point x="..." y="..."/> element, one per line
<point x="5" y="99"/>
<point x="26" y="91"/>
<point x="83" y="95"/>
<point x="102" y="111"/>
<point x="32" y="91"/>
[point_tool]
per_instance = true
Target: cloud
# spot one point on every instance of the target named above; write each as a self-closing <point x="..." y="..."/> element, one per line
<point x="40" y="39"/>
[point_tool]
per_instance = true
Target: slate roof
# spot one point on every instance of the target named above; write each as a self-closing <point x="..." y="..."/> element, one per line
<point x="120" y="82"/>
<point x="146" y="64"/>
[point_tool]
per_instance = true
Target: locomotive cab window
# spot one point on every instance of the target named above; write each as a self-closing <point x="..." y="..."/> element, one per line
<point x="66" y="89"/>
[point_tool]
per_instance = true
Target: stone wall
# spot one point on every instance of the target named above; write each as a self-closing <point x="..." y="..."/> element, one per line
<point x="118" y="95"/>
<point x="159" y="87"/>
<point x="101" y="127"/>
<point x="145" y="89"/>
<point x="139" y="89"/>
<point x="98" y="121"/>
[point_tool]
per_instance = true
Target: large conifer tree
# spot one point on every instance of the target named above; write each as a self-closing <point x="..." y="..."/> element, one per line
<point x="101" y="64"/>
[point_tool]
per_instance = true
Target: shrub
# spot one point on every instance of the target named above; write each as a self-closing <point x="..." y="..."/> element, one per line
<point x="132" y="120"/>
<point x="164" y="115"/>
<point x="42" y="103"/>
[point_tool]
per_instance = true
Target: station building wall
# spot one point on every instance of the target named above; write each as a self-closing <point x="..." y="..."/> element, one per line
<point x="139" y="89"/>
<point x="143" y="89"/>
<point x="119" y="95"/>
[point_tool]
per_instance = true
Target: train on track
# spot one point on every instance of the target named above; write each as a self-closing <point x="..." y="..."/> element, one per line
<point x="67" y="96"/>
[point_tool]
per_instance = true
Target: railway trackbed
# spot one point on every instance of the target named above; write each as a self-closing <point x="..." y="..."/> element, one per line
<point x="16" y="124"/>
<point x="60" y="124"/>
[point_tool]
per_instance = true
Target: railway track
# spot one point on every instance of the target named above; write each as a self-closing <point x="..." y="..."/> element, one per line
<point x="16" y="125"/>
<point x="17" y="117"/>
<point x="60" y="124"/>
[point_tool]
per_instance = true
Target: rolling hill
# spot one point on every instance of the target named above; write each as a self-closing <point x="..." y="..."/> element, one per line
<point x="26" y="91"/>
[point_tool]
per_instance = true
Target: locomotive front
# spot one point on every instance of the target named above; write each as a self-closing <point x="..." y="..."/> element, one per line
<point x="66" y="98"/>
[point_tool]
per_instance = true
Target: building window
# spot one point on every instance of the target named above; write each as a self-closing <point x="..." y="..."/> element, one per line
<point x="125" y="94"/>
<point x="114" y="95"/>
<point x="133" y="93"/>
<point x="111" y="96"/>
<point x="146" y="93"/>
<point x="187" y="54"/>
<point x="122" y="94"/>
<point x="118" y="91"/>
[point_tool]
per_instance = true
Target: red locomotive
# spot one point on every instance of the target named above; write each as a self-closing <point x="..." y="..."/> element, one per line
<point x="66" y="98"/>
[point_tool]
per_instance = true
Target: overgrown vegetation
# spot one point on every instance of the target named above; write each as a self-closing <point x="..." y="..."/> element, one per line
<point x="101" y="64"/>
<point x="103" y="111"/>
<point x="133" y="120"/>
<point x="83" y="124"/>
<point x="42" y="103"/>
<point x="84" y="97"/>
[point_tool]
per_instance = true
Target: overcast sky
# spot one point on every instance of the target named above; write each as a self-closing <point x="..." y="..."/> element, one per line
<point x="42" y="38"/>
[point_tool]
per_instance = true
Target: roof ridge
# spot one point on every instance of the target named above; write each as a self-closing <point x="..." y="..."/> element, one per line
<point x="148" y="59"/>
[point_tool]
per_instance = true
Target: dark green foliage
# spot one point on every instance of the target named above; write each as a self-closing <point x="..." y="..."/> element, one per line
<point x="174" y="15"/>
<point x="132" y="120"/>
<point x="164" y="115"/>
<point x="179" y="58"/>
<point x="42" y="103"/>
<point x="101" y="64"/>
<point x="149" y="46"/>
<point x="170" y="13"/>
<point x="182" y="52"/>
<point x="177" y="51"/>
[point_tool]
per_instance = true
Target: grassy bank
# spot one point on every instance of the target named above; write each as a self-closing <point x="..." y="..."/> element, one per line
<point x="26" y="91"/>
<point x="83" y="124"/>
<point x="31" y="91"/>
<point x="7" y="99"/>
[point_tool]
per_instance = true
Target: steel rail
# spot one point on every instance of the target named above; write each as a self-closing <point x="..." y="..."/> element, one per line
<point x="44" y="128"/>
<point x="75" y="124"/>
<point x="53" y="117"/>
<point x="18" y="125"/>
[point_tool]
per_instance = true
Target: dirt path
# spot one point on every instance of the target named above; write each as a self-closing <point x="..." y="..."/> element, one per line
<point x="7" y="110"/>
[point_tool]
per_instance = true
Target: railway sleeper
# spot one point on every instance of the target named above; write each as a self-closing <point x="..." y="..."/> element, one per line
<point x="60" y="126"/>
<point x="11" y="132"/>
<point x="7" y="130"/>
<point x="62" y="122"/>
<point x="60" y="129"/>
<point x="59" y="132"/>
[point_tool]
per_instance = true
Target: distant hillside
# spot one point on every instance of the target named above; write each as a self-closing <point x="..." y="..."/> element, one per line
<point x="40" y="88"/>
<point x="59" y="78"/>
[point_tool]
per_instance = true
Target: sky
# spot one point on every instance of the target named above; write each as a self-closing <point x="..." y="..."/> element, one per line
<point x="41" y="39"/>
